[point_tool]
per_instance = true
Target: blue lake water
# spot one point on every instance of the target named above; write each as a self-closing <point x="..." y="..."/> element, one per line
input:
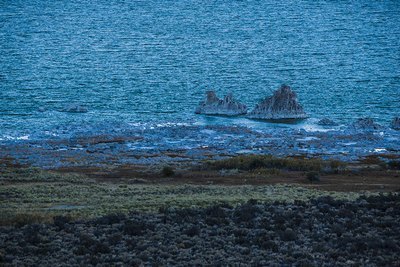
<point x="151" y="61"/>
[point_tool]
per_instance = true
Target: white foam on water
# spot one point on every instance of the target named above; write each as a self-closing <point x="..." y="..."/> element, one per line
<point x="207" y="131"/>
<point x="349" y="143"/>
<point x="315" y="128"/>
<point x="51" y="133"/>
<point x="308" y="138"/>
<point x="172" y="124"/>
<point x="11" y="138"/>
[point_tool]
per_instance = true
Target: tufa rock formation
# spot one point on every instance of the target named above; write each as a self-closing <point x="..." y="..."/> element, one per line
<point x="395" y="123"/>
<point x="282" y="105"/>
<point x="228" y="106"/>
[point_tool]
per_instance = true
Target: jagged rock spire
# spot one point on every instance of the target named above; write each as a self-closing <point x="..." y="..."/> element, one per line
<point x="228" y="106"/>
<point x="282" y="104"/>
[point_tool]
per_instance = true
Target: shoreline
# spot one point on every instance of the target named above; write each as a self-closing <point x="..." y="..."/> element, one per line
<point x="185" y="144"/>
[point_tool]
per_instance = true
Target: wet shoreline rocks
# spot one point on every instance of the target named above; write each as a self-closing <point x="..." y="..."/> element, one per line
<point x="365" y="124"/>
<point x="327" y="122"/>
<point x="192" y="143"/>
<point x="322" y="231"/>
<point x="228" y="106"/>
<point x="283" y="104"/>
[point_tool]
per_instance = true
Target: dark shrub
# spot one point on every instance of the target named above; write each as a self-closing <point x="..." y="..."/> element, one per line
<point x="216" y="211"/>
<point x="167" y="171"/>
<point x="192" y="231"/>
<point x="262" y="240"/>
<point x="256" y="163"/>
<point x="136" y="227"/>
<point x="81" y="250"/>
<point x="305" y="263"/>
<point x="337" y="229"/>
<point x="31" y="234"/>
<point x="216" y="221"/>
<point x="86" y="240"/>
<point x="60" y="221"/>
<point x="187" y="215"/>
<point x="269" y="245"/>
<point x="313" y="176"/>
<point x="390" y="244"/>
<point x="241" y="236"/>
<point x="245" y="213"/>
<point x="345" y="213"/>
<point x="100" y="248"/>
<point x="110" y="219"/>
<point x="242" y="240"/>
<point x="115" y="239"/>
<point x="394" y="165"/>
<point x="288" y="235"/>
<point x="279" y="220"/>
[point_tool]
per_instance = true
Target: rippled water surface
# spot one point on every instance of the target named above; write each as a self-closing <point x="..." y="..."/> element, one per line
<point x="151" y="61"/>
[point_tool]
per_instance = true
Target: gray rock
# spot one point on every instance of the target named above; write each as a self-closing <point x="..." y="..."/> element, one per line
<point x="228" y="106"/>
<point x="74" y="108"/>
<point x="326" y="122"/>
<point x="395" y="123"/>
<point x="282" y="105"/>
<point x="365" y="124"/>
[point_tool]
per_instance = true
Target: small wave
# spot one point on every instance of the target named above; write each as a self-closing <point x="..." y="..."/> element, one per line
<point x="172" y="124"/>
<point x="12" y="138"/>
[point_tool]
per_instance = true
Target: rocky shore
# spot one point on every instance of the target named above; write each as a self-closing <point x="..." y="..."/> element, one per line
<point x="166" y="144"/>
<point x="322" y="231"/>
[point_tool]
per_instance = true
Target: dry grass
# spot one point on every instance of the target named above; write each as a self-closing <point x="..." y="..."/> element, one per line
<point x="31" y="174"/>
<point x="30" y="195"/>
<point x="254" y="162"/>
<point x="33" y="195"/>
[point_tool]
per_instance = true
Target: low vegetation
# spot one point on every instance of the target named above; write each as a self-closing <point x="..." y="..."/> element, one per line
<point x="167" y="171"/>
<point x="32" y="175"/>
<point x="394" y="164"/>
<point x="254" y="162"/>
<point x="29" y="196"/>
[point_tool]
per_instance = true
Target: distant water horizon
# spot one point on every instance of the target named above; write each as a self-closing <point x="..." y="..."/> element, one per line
<point x="150" y="62"/>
